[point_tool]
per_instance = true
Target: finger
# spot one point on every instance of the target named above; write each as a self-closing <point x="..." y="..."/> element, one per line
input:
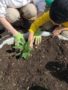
<point x="39" y="40"/>
<point x="36" y="41"/>
<point x="31" y="46"/>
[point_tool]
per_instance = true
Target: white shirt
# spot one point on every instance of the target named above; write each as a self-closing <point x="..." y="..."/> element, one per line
<point x="40" y="5"/>
<point x="11" y="3"/>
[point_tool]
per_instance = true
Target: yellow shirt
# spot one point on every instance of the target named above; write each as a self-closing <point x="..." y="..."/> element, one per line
<point x="65" y="24"/>
<point x="41" y="20"/>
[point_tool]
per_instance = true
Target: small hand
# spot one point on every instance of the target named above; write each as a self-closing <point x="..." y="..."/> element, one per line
<point x="19" y="41"/>
<point x="56" y="32"/>
<point x="37" y="37"/>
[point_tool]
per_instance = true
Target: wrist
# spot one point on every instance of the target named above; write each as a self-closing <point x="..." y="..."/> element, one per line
<point x="31" y="39"/>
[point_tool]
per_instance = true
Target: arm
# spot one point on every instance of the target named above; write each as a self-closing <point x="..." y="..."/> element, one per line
<point x="8" y="26"/>
<point x="36" y="24"/>
<point x="3" y="20"/>
<point x="58" y="30"/>
<point x="19" y="38"/>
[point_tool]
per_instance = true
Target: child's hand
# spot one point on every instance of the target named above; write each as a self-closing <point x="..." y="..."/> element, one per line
<point x="57" y="32"/>
<point x="34" y="37"/>
<point x="19" y="41"/>
<point x="37" y="37"/>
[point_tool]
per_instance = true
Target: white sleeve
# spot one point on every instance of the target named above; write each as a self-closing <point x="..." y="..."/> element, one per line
<point x="41" y="5"/>
<point x="2" y="10"/>
<point x="25" y="2"/>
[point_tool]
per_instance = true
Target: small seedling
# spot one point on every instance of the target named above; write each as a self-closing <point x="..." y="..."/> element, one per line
<point x="26" y="51"/>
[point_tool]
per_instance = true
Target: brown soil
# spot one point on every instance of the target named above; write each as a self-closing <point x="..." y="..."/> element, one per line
<point x="46" y="69"/>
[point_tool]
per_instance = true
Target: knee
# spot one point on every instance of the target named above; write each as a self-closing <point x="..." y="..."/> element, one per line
<point x="29" y="11"/>
<point x="12" y="15"/>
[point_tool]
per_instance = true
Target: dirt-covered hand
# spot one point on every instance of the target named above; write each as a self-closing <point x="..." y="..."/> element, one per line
<point x="19" y="41"/>
<point x="37" y="37"/>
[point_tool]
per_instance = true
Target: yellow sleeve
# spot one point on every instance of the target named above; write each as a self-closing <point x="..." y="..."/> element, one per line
<point x="65" y="24"/>
<point x="39" y="22"/>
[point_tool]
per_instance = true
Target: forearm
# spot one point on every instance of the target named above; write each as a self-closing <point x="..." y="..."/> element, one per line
<point x="35" y="25"/>
<point x="65" y="29"/>
<point x="39" y="22"/>
<point x="8" y="26"/>
<point x="31" y="38"/>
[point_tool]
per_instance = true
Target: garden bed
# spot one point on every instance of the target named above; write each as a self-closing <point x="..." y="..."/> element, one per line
<point x="46" y="69"/>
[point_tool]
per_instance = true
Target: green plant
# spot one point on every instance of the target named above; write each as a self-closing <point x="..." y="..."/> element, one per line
<point x="22" y="47"/>
<point x="19" y="41"/>
<point x="26" y="51"/>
